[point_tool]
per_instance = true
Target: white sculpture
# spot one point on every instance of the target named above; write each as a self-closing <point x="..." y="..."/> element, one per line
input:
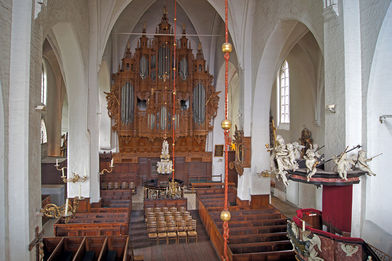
<point x="165" y="166"/>
<point x="314" y="241"/>
<point x="362" y="162"/>
<point x="343" y="164"/>
<point x="311" y="160"/>
<point x="284" y="158"/>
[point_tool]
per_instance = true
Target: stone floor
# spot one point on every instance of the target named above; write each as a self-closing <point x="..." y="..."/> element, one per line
<point x="287" y="209"/>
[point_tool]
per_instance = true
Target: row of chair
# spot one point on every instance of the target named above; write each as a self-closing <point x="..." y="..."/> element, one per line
<point x="177" y="231"/>
<point x="165" y="209"/>
<point x="118" y="185"/>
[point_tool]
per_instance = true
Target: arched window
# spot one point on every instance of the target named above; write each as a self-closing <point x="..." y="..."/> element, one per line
<point x="44" y="84"/>
<point x="44" y="137"/>
<point x="283" y="95"/>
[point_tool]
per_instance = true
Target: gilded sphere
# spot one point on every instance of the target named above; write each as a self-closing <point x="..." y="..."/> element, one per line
<point x="225" y="215"/>
<point x="226" y="124"/>
<point x="227" y="47"/>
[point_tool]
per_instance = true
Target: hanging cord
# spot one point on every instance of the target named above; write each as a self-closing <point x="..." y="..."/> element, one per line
<point x="174" y="86"/>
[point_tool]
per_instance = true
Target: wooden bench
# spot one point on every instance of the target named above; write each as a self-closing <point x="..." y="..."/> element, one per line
<point x="255" y="234"/>
<point x="94" y="224"/>
<point x="152" y="203"/>
<point x="86" y="248"/>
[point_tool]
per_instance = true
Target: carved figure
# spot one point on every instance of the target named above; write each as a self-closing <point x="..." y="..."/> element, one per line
<point x="349" y="249"/>
<point x="312" y="158"/>
<point x="312" y="242"/>
<point x="306" y="140"/>
<point x="362" y="162"/>
<point x="343" y="164"/>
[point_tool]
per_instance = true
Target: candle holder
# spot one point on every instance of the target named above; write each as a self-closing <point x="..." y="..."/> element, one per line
<point x="107" y="170"/>
<point x="75" y="178"/>
<point x="67" y="210"/>
<point x="62" y="169"/>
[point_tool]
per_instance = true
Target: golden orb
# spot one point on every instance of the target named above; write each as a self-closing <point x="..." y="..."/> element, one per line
<point x="225" y="215"/>
<point x="226" y="124"/>
<point x="227" y="47"/>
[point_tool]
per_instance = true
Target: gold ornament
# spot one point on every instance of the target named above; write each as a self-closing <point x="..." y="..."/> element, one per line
<point x="225" y="215"/>
<point x="226" y="124"/>
<point x="227" y="47"/>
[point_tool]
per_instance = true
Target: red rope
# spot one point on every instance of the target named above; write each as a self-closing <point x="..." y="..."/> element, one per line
<point x="226" y="132"/>
<point x="174" y="86"/>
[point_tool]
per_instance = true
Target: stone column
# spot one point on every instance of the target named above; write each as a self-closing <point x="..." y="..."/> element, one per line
<point x="342" y="54"/>
<point x="24" y="181"/>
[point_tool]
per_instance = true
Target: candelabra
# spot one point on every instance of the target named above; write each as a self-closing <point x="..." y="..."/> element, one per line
<point x="67" y="210"/>
<point x="107" y="170"/>
<point x="75" y="178"/>
<point x="62" y="169"/>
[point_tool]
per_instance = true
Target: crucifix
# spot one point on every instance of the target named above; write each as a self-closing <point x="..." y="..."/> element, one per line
<point x="37" y="243"/>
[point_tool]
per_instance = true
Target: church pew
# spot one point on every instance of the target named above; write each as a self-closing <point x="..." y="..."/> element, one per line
<point x="255" y="234"/>
<point x="256" y="247"/>
<point x="86" y="248"/>
<point x="65" y="249"/>
<point x="258" y="237"/>
<point x="152" y="203"/>
<point x="93" y="224"/>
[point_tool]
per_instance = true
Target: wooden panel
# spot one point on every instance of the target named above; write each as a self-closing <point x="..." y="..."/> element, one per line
<point x="247" y="152"/>
<point x="259" y="201"/>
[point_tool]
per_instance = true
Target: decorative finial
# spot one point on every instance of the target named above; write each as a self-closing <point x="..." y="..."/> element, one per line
<point x="183" y="28"/>
<point x="165" y="10"/>
<point x="144" y="27"/>
<point x="128" y="45"/>
<point x="199" y="46"/>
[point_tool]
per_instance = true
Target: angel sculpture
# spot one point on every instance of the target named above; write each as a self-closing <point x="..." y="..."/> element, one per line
<point x="343" y="164"/>
<point x="278" y="159"/>
<point x="311" y="160"/>
<point x="362" y="162"/>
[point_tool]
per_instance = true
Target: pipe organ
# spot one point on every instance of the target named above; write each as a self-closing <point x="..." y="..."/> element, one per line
<point x="140" y="100"/>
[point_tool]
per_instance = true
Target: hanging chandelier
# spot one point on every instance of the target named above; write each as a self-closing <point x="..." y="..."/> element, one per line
<point x="165" y="166"/>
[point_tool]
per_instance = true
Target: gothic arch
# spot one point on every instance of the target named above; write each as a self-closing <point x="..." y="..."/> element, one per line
<point x="379" y="102"/>
<point x="283" y="38"/>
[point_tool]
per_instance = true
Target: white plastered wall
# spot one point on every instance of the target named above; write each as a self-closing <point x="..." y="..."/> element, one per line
<point x="76" y="85"/>
<point x="377" y="227"/>
<point x="104" y="119"/>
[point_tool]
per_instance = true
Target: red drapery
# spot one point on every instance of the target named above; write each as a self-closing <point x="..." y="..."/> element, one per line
<point x="337" y="206"/>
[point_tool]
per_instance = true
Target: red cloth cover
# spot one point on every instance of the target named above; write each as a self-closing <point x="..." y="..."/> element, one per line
<point x="337" y="206"/>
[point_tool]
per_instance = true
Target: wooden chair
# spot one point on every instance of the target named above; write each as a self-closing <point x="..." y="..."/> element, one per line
<point x="157" y="209"/>
<point x="191" y="233"/>
<point x="162" y="234"/>
<point x="116" y="185"/>
<point x="124" y="185"/>
<point x="171" y="233"/>
<point x="182" y="209"/>
<point x="165" y="209"/>
<point x="173" y="209"/>
<point x="152" y="232"/>
<point x="181" y="231"/>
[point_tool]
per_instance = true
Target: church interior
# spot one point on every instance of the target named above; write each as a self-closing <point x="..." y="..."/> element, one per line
<point x="195" y="130"/>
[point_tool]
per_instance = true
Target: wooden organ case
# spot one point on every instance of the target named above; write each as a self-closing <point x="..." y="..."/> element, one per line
<point x="140" y="101"/>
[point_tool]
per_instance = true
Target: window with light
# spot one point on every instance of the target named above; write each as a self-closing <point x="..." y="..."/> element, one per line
<point x="284" y="94"/>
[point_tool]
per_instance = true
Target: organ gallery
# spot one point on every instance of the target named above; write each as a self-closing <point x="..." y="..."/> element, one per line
<point x="140" y="101"/>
